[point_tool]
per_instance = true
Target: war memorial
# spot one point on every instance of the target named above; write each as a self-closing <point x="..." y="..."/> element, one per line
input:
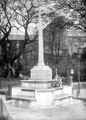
<point x="38" y="90"/>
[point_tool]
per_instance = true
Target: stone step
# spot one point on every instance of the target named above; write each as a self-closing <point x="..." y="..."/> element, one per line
<point x="23" y="101"/>
<point x="31" y="91"/>
<point x="58" y="97"/>
<point x="22" y="97"/>
<point x="42" y="97"/>
<point x="27" y="89"/>
<point x="40" y="89"/>
<point x="63" y="99"/>
<point x="62" y="96"/>
<point x="37" y="83"/>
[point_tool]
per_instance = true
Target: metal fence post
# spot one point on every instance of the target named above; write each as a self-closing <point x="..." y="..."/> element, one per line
<point x="1" y="108"/>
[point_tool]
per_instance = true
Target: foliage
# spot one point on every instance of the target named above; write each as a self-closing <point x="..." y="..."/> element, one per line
<point x="20" y="13"/>
<point x="73" y="10"/>
<point x="10" y="12"/>
<point x="17" y="14"/>
<point x="53" y="36"/>
<point x="77" y="13"/>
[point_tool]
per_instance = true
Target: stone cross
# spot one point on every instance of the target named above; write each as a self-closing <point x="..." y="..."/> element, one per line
<point x="41" y="71"/>
<point x="40" y="42"/>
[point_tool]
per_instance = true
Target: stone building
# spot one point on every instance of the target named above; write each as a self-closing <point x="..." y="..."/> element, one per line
<point x="65" y="45"/>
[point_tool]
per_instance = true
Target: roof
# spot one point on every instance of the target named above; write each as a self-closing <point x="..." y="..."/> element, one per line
<point x="16" y="37"/>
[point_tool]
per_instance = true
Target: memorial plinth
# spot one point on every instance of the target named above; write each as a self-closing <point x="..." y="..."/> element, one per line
<point x="41" y="78"/>
<point x="41" y="73"/>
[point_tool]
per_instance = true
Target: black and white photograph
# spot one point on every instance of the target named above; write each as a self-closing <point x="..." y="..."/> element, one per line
<point x="42" y="59"/>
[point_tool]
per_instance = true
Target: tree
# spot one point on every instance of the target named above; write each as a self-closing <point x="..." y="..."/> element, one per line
<point x="5" y="30"/>
<point x="55" y="31"/>
<point x="7" y="23"/>
<point x="18" y="14"/>
<point x="75" y="10"/>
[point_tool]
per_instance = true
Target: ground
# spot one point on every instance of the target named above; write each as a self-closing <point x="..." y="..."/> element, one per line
<point x="75" y="111"/>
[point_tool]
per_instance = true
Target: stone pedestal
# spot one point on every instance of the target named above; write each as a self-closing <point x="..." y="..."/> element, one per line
<point x="41" y="73"/>
<point x="42" y="98"/>
<point x="37" y="84"/>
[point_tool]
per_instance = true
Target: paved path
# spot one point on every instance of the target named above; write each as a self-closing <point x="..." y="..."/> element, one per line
<point x="75" y="111"/>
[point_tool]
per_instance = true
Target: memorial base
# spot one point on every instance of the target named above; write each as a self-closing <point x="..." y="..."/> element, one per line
<point x="42" y="98"/>
<point x="39" y="92"/>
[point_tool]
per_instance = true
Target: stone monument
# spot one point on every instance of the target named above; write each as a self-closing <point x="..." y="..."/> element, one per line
<point x="38" y="90"/>
<point x="41" y="71"/>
